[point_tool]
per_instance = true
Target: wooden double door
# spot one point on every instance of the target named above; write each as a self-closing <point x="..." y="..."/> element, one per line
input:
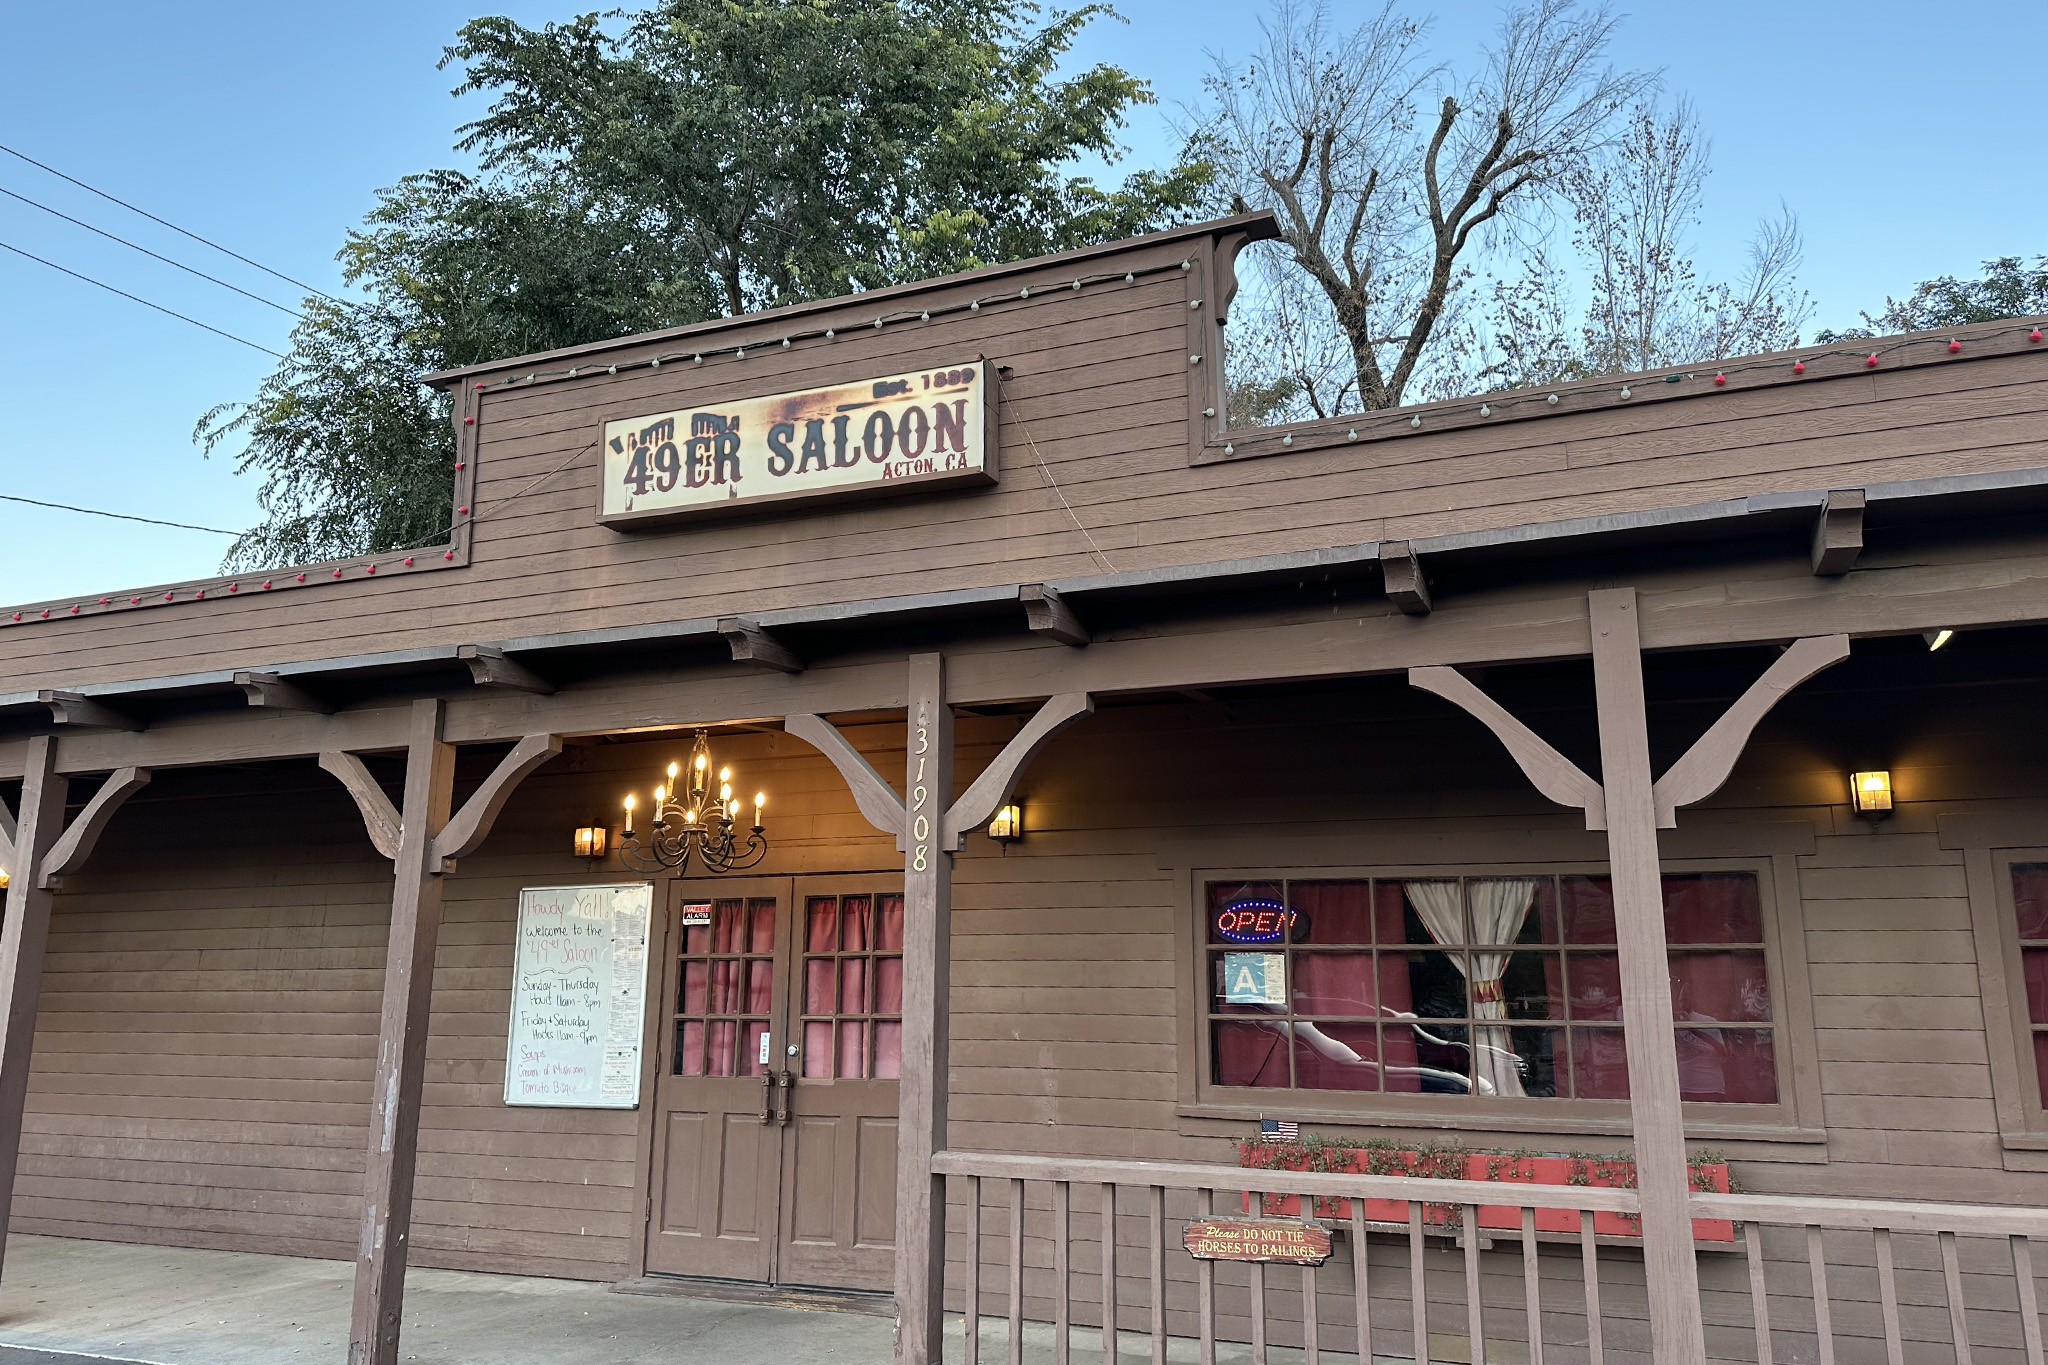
<point x="781" y="1038"/>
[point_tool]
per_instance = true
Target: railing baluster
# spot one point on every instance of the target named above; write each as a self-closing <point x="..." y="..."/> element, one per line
<point x="1361" y="1284"/>
<point x="1157" y="1203"/>
<point x="1589" y="1260"/>
<point x="1532" y="1287"/>
<point x="2030" y="1309"/>
<point x="1062" y="1274"/>
<point x="1205" y="1283"/>
<point x="1418" y="1301"/>
<point x="1759" y="1290"/>
<point x="1823" y="1311"/>
<point x="1109" y="1274"/>
<point x="972" y="1293"/>
<point x="1016" y="1272"/>
<point x="1888" y="1297"/>
<point x="1311" y="1325"/>
<point x="1475" y="1311"/>
<point x="1958" y="1319"/>
<point x="1258" y="1279"/>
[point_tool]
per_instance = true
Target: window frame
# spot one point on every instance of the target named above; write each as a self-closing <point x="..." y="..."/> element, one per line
<point x="1794" y="1117"/>
<point x="2001" y="978"/>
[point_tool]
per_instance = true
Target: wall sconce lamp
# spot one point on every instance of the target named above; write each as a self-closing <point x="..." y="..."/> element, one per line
<point x="4" y="878"/>
<point x="1008" y="826"/>
<point x="591" y="841"/>
<point x="1871" y="794"/>
<point x="1937" y="638"/>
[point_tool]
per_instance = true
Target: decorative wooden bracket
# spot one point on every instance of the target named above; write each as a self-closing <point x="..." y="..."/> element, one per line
<point x="1401" y="572"/>
<point x="467" y="828"/>
<point x="75" y="844"/>
<point x="272" y="692"/>
<point x="1047" y="614"/>
<point x="1694" y="777"/>
<point x="491" y="667"/>
<point x="872" y="793"/>
<point x="70" y="709"/>
<point x="380" y="817"/>
<point x="1707" y="763"/>
<point x="884" y="809"/>
<point x="1556" y="776"/>
<point x="989" y="791"/>
<point x="1838" y="533"/>
<point x="751" y="644"/>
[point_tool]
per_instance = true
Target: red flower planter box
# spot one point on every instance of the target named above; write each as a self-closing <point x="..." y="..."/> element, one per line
<point x="1593" y="1172"/>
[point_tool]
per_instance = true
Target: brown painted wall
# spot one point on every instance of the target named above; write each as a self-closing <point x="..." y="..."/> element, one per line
<point x="1096" y="411"/>
<point x="203" y="1060"/>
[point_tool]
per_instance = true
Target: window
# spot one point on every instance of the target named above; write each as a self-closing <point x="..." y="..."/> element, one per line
<point x="728" y="973"/>
<point x="853" y="987"/>
<point x="1499" y="987"/>
<point x="2030" y="915"/>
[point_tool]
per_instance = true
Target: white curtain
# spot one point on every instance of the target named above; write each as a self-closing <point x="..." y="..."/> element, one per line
<point x="1499" y="905"/>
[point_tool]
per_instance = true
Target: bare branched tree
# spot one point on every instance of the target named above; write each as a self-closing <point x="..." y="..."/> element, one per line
<point x="1379" y="206"/>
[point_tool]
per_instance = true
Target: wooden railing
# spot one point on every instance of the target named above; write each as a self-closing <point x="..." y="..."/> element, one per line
<point x="1875" y="1280"/>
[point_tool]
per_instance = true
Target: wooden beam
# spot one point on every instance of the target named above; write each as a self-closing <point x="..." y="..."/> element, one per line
<point x="272" y="691"/>
<point x="751" y="644"/>
<point x="1706" y="765"/>
<point x="465" y="833"/>
<point x="7" y="832"/>
<point x="70" y="709"/>
<point x="24" y="937"/>
<point x="1664" y="1183"/>
<point x="927" y="967"/>
<point x="872" y="793"/>
<point x="1556" y="776"/>
<point x="491" y="667"/>
<point x="1401" y="572"/>
<point x="999" y="779"/>
<point x="386" y="1230"/>
<point x="1838" y="533"/>
<point x="1047" y="613"/>
<point x="75" y="845"/>
<point x="380" y="817"/>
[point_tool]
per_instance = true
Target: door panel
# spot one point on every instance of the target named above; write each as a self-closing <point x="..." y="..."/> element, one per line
<point x="716" y="1183"/>
<point x="839" y="1218"/>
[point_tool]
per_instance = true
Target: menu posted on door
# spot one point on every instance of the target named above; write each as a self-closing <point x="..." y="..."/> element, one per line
<point x="579" y="984"/>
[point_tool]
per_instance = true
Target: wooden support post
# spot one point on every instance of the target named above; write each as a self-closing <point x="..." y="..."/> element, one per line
<point x="402" y="1044"/>
<point x="752" y="644"/>
<point x="23" y="937"/>
<point x="1664" y="1184"/>
<point x="1401" y="572"/>
<point x="927" y="960"/>
<point x="1047" y="613"/>
<point x="1838" y="533"/>
<point x="274" y="693"/>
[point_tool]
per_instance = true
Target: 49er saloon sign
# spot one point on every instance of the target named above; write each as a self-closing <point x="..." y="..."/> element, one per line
<point x="876" y="436"/>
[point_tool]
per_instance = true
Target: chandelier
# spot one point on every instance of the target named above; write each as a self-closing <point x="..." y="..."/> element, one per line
<point x="691" y="820"/>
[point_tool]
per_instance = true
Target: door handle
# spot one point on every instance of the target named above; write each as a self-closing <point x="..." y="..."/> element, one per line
<point x="767" y="1097"/>
<point x="786" y="1081"/>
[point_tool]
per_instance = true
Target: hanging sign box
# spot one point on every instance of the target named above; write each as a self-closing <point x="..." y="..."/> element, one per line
<point x="869" y="438"/>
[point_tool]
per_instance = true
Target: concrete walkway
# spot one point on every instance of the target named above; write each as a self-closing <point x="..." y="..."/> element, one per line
<point x="66" y="1302"/>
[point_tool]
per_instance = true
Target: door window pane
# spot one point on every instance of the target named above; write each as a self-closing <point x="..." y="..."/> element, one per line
<point x="847" y="987"/>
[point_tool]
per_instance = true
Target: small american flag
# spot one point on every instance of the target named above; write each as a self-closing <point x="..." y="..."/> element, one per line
<point x="1278" y="1130"/>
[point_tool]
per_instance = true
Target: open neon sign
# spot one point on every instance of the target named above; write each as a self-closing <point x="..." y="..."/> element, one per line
<point x="1257" y="921"/>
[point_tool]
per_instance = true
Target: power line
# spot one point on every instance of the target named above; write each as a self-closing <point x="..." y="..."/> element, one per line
<point x="144" y="302"/>
<point x="119" y="516"/>
<point x="79" y="222"/>
<point x="72" y="179"/>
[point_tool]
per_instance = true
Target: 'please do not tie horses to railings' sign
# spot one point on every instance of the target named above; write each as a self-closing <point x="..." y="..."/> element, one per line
<point x="869" y="438"/>
<point x="1257" y="1239"/>
<point x="579" y="987"/>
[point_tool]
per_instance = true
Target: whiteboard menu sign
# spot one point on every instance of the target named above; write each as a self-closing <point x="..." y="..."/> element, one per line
<point x="579" y="985"/>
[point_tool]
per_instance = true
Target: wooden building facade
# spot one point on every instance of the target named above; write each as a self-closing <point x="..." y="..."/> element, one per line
<point x="1467" y="786"/>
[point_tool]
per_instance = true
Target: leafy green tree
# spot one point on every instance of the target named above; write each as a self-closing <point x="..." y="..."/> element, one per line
<point x="697" y="159"/>
<point x="2009" y="289"/>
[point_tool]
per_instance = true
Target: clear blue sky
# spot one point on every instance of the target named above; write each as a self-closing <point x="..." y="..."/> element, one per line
<point x="1906" y="137"/>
